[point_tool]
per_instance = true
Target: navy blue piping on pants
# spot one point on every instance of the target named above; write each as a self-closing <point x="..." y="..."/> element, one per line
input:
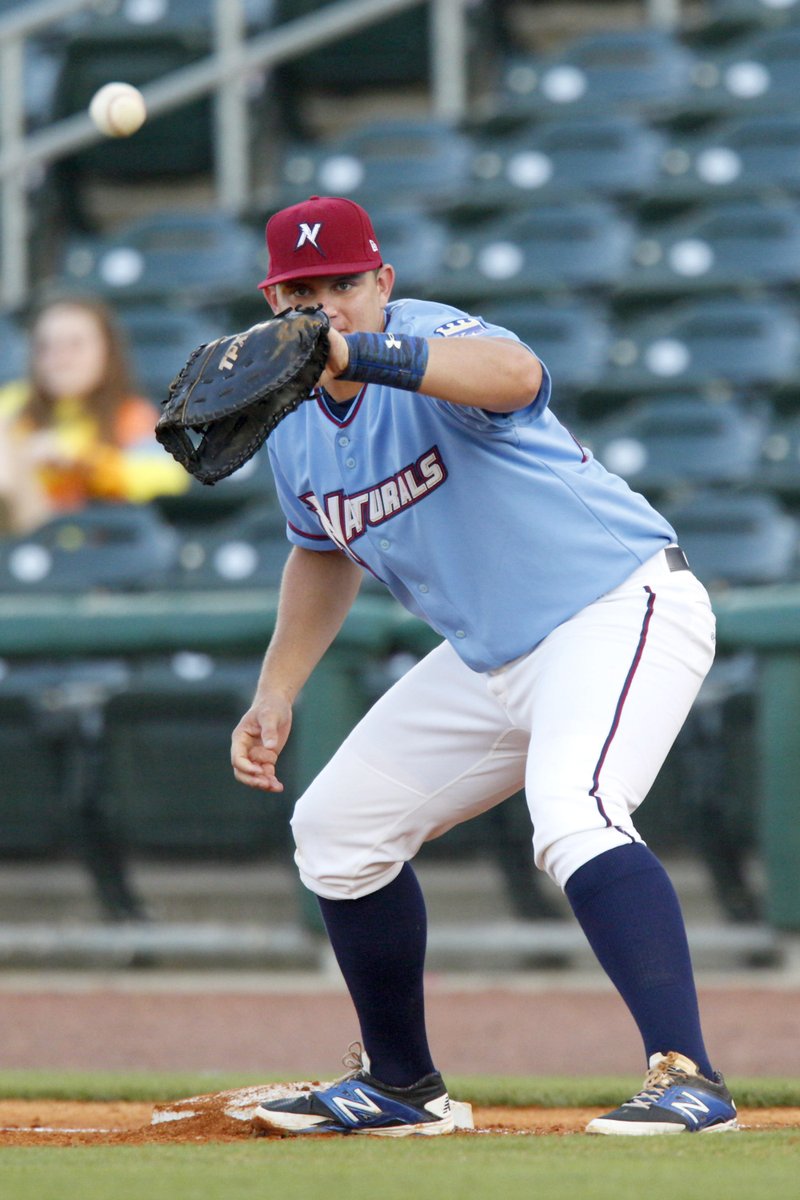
<point x="626" y="687"/>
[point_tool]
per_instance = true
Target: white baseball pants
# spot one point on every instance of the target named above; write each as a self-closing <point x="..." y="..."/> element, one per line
<point x="584" y="721"/>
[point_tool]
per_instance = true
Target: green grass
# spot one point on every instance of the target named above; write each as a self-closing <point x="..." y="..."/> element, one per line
<point x="726" y="1167"/>
<point x="522" y="1090"/>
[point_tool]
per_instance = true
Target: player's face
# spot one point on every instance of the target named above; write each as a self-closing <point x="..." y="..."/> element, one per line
<point x="352" y="303"/>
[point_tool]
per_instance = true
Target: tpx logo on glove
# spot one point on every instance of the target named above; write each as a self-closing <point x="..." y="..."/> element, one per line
<point x="232" y="353"/>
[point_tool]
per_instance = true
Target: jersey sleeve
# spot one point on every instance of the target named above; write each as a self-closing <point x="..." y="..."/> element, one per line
<point x="426" y="319"/>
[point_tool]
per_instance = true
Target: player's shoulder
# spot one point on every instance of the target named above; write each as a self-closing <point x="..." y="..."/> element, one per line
<point x="431" y="318"/>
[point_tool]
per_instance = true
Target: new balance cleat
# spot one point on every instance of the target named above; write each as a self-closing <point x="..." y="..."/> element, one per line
<point x="359" y="1103"/>
<point x="675" y="1098"/>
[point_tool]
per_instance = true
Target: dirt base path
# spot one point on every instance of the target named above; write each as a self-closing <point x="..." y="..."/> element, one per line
<point x="87" y="1123"/>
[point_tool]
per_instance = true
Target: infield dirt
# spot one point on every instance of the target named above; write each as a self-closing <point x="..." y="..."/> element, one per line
<point x="76" y="1123"/>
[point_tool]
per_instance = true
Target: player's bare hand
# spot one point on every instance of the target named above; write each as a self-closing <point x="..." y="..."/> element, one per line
<point x="338" y="357"/>
<point x="258" y="740"/>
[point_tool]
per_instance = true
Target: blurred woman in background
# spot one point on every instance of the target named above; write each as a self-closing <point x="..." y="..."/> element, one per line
<point x="75" y="432"/>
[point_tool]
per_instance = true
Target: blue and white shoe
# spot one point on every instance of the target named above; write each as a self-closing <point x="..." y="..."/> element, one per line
<point x="359" y="1103"/>
<point x="675" y="1098"/>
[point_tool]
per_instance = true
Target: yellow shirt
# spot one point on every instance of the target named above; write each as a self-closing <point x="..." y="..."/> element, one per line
<point x="75" y="466"/>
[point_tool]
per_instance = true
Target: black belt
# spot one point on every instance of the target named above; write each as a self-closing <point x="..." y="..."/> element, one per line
<point x="676" y="559"/>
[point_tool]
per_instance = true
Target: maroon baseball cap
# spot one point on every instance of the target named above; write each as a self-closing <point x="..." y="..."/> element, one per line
<point x="324" y="235"/>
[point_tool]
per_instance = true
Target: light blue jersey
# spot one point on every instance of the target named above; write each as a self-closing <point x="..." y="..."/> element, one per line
<point x="493" y="528"/>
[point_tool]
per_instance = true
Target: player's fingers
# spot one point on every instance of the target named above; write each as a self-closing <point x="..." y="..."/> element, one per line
<point x="244" y="763"/>
<point x="263" y="754"/>
<point x="256" y="743"/>
<point x="266" y="781"/>
<point x="338" y="353"/>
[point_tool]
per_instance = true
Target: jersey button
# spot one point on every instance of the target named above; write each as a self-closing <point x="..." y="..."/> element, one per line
<point x="385" y="543"/>
<point x="423" y="587"/>
<point x="460" y="633"/>
<point x="344" y="441"/>
<point x="349" y="462"/>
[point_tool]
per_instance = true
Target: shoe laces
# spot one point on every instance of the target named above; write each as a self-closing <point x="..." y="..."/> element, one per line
<point x="354" y="1061"/>
<point x="658" y="1079"/>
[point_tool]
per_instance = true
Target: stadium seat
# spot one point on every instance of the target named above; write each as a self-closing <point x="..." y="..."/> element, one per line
<point x="41" y="70"/>
<point x="723" y="344"/>
<point x="13" y="350"/>
<point x="601" y="156"/>
<point x="161" y="339"/>
<point x="664" y="442"/>
<point x="193" y="17"/>
<point x="646" y="71"/>
<point x="732" y="539"/>
<point x="744" y="156"/>
<point x="757" y="74"/>
<point x="173" y="144"/>
<point x="202" y="259"/>
<point x="139" y="41"/>
<point x="736" y="538"/>
<point x="745" y="245"/>
<point x="201" y="507"/>
<point x="779" y="468"/>
<point x="104" y="547"/>
<point x="726" y="18"/>
<point x="51" y="734"/>
<point x="249" y="549"/>
<point x="584" y="246"/>
<point x="415" y="243"/>
<point x="391" y="53"/>
<point x="167" y="784"/>
<point x="33" y="816"/>
<point x="571" y="337"/>
<point x="388" y="163"/>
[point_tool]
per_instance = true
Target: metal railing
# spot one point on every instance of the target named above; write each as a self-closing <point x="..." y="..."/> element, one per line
<point x="225" y="72"/>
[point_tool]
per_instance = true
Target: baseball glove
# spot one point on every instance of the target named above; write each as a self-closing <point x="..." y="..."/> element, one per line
<point x="230" y="395"/>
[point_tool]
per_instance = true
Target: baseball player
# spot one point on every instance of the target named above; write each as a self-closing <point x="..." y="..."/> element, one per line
<point x="575" y="638"/>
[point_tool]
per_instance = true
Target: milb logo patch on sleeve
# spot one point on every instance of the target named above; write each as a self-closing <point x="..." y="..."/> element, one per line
<point x="460" y="327"/>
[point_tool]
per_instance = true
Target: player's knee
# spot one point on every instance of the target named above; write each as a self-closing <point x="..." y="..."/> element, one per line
<point x="562" y="857"/>
<point x="337" y="859"/>
<point x="315" y="838"/>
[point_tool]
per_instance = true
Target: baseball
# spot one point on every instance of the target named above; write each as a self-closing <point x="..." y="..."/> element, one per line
<point x="118" y="109"/>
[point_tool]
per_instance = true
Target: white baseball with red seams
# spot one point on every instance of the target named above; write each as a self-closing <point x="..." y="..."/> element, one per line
<point x="118" y="109"/>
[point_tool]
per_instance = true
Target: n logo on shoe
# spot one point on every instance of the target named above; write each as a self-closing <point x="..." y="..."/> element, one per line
<point x="354" y="1110"/>
<point x="689" y="1106"/>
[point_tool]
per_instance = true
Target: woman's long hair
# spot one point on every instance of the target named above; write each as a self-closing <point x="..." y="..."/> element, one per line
<point x="114" y="387"/>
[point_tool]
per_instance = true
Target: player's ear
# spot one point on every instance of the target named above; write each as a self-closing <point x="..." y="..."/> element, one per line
<point x="384" y="279"/>
<point x="271" y="297"/>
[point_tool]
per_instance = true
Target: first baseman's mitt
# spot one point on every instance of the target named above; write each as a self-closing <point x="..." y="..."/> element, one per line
<point x="231" y="393"/>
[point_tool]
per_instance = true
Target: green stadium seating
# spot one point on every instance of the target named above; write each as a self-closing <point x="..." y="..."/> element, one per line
<point x="646" y="71"/>
<point x="740" y="245"/>
<point x="584" y="246"/>
<point x="104" y="547"/>
<point x="168" y="788"/>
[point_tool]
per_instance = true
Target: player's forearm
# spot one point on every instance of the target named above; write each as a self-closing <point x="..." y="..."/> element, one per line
<point x="498" y="374"/>
<point x="317" y="592"/>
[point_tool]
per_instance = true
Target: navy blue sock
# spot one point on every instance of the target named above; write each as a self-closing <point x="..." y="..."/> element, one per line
<point x="627" y="907"/>
<point x="379" y="942"/>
